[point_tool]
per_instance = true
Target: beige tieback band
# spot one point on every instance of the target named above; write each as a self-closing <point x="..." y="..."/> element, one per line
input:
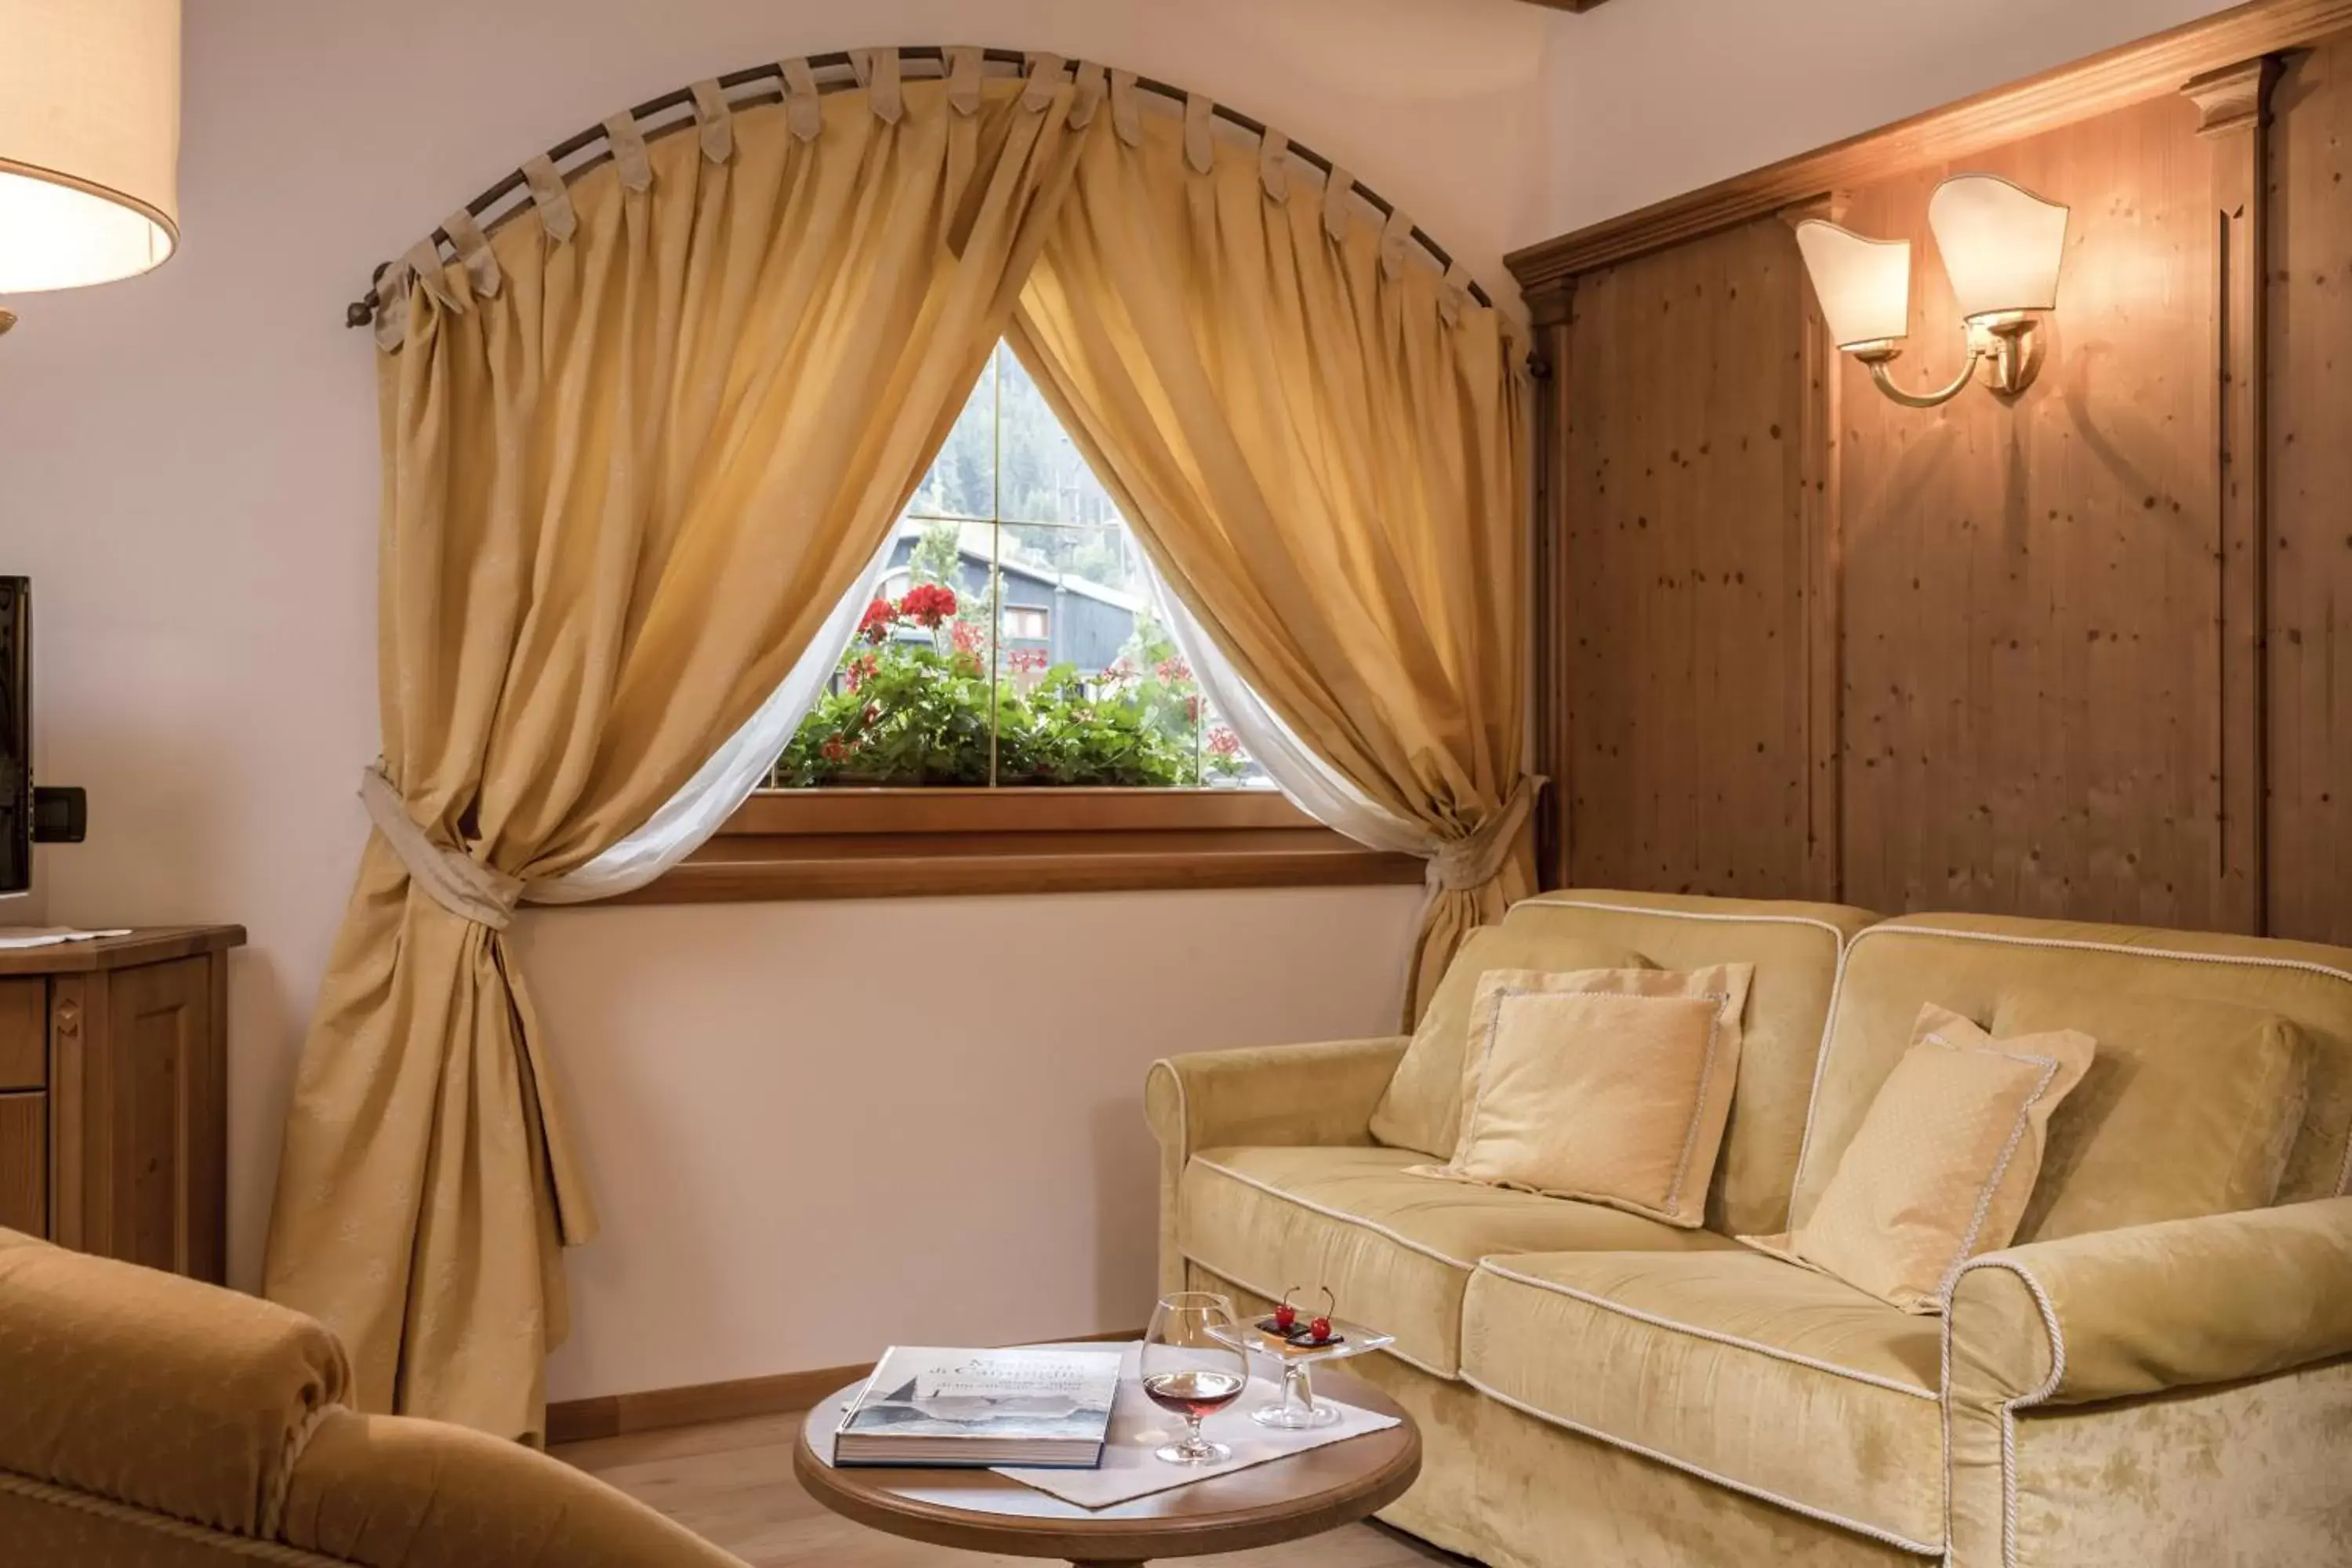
<point x="1463" y="865"/>
<point x="457" y="882"/>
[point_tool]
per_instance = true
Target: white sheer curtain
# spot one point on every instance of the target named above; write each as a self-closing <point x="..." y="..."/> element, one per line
<point x="1311" y="784"/>
<point x="733" y="772"/>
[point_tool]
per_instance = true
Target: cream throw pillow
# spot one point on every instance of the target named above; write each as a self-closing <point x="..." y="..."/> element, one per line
<point x="1613" y="1085"/>
<point x="1944" y="1162"/>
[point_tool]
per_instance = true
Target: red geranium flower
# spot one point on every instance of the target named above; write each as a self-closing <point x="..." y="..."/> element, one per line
<point x="1174" y="670"/>
<point x="833" y="749"/>
<point x="965" y="637"/>
<point x="879" y="617"/>
<point x="1224" y="742"/>
<point x="928" y="604"/>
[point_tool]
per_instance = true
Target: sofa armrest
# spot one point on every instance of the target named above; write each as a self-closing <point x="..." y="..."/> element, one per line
<point x="2155" y="1307"/>
<point x="1263" y="1095"/>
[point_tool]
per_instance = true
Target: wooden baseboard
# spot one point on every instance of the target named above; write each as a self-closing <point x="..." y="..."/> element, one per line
<point x="649" y="1410"/>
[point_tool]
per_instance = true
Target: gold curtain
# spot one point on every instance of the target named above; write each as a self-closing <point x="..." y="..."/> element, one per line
<point x="1320" y="441"/>
<point x="635" y="448"/>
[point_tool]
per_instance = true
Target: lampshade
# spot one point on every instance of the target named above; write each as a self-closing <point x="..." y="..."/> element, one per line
<point x="90" y="140"/>
<point x="2001" y="244"/>
<point x="1865" y="284"/>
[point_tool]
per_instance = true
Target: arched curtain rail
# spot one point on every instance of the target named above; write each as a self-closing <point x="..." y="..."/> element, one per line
<point x="762" y="84"/>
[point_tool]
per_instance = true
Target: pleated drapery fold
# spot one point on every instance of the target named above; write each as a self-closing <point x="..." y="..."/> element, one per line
<point x="613" y="518"/>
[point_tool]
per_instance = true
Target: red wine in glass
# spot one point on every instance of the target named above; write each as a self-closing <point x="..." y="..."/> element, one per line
<point x="1195" y="1394"/>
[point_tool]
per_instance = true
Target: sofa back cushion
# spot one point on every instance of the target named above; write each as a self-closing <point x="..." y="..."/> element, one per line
<point x="2224" y="1072"/>
<point x="1794" y="948"/>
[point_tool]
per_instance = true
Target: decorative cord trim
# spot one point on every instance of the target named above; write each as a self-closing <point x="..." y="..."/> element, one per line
<point x="281" y="1484"/>
<point x="2005" y="938"/>
<point x="1261" y="1291"/>
<point x="166" y="1524"/>
<point x="1776" y="1352"/>
<point x="2008" y="1407"/>
<point x="1563" y="901"/>
<point x="1343" y="1218"/>
<point x="2049" y="1065"/>
<point x="1875" y="1532"/>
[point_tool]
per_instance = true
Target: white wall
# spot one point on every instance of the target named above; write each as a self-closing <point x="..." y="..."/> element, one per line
<point x="1647" y="99"/>
<point x="812" y="1127"/>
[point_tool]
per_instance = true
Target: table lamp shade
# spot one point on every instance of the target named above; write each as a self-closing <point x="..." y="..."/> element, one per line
<point x="90" y="140"/>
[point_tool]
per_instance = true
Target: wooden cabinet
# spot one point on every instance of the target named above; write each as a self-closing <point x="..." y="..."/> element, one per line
<point x="114" y="1096"/>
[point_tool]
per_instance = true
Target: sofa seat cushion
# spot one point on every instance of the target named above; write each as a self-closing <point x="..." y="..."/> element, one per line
<point x="1396" y="1249"/>
<point x="1752" y="1372"/>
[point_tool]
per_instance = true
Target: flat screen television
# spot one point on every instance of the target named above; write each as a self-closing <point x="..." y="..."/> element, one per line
<point x="16" y="736"/>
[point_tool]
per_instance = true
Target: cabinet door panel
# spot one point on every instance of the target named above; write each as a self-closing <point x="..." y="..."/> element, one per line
<point x="24" y="1033"/>
<point x="25" y="1163"/>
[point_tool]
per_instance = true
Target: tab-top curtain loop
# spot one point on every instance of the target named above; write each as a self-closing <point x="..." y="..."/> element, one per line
<point x="424" y="260"/>
<point x="1126" y="113"/>
<point x="393" y="287"/>
<point x="803" y="102"/>
<point x="473" y="247"/>
<point x="1044" y="75"/>
<point x="629" y="144"/>
<point x="1089" y="79"/>
<point x="1339" y="191"/>
<point x="1200" y="144"/>
<point x="1395" y="236"/>
<point x="1274" y="164"/>
<point x="964" y="79"/>
<point x="877" y="73"/>
<point x="716" y="119"/>
<point x="551" y="197"/>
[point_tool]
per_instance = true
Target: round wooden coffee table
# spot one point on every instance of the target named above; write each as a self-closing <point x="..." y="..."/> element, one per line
<point x="979" y="1510"/>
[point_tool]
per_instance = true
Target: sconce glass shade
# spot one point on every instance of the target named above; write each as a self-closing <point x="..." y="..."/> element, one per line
<point x="2001" y="244"/>
<point x="1864" y="284"/>
<point x="90" y="140"/>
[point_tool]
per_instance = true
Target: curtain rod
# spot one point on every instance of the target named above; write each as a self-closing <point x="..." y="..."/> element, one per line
<point x="362" y="311"/>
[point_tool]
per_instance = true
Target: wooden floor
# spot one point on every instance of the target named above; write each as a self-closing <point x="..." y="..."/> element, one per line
<point x="731" y="1482"/>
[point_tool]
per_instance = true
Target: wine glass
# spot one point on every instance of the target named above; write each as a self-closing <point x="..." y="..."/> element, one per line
<point x="1193" y="1363"/>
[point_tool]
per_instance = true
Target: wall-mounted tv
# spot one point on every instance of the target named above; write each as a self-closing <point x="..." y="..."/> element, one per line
<point x="15" y="735"/>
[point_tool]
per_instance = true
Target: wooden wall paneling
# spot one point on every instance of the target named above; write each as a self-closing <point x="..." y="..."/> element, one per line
<point x="2308" y="579"/>
<point x="1685" y="602"/>
<point x="2233" y="107"/>
<point x="1819" y="489"/>
<point x="2030" y="703"/>
<point x="1548" y="565"/>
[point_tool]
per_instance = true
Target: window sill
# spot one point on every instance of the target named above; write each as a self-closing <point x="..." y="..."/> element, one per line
<point x="882" y="844"/>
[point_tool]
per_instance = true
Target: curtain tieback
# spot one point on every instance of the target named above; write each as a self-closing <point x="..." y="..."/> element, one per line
<point x="457" y="882"/>
<point x="1462" y="865"/>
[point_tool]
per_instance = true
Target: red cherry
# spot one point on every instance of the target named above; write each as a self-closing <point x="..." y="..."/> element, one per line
<point x="1321" y="1329"/>
<point x="1283" y="1316"/>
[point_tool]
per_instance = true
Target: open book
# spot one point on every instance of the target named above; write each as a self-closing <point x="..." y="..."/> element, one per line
<point x="1032" y="1408"/>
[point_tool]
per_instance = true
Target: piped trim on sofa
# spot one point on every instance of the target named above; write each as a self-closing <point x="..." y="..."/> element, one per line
<point x="1262" y="1293"/>
<point x="167" y="1525"/>
<point x="2009" y="1407"/>
<point x="1554" y="901"/>
<point x="1270" y="1190"/>
<point x="2007" y="939"/>
<point x="1714" y="1335"/>
<point x="1874" y="1531"/>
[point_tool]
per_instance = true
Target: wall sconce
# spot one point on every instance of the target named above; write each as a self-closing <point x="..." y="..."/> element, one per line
<point x="2001" y="247"/>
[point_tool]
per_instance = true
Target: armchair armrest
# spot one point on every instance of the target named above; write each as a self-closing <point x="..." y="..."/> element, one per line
<point x="1264" y="1095"/>
<point x="2155" y="1307"/>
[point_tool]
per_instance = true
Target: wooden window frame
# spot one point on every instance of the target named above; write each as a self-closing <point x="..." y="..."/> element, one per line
<point x="791" y="844"/>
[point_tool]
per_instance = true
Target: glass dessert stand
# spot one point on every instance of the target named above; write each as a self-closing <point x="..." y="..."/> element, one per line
<point x="1297" y="1411"/>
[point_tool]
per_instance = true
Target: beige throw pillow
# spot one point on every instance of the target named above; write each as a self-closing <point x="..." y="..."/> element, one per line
<point x="1423" y="1106"/>
<point x="1944" y="1162"/>
<point x="1612" y="1086"/>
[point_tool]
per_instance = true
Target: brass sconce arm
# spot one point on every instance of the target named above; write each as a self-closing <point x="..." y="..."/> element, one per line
<point x="2006" y="341"/>
<point x="1880" y="357"/>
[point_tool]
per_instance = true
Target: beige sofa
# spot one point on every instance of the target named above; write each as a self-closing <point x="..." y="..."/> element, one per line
<point x="147" y="1421"/>
<point x="1597" y="1388"/>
